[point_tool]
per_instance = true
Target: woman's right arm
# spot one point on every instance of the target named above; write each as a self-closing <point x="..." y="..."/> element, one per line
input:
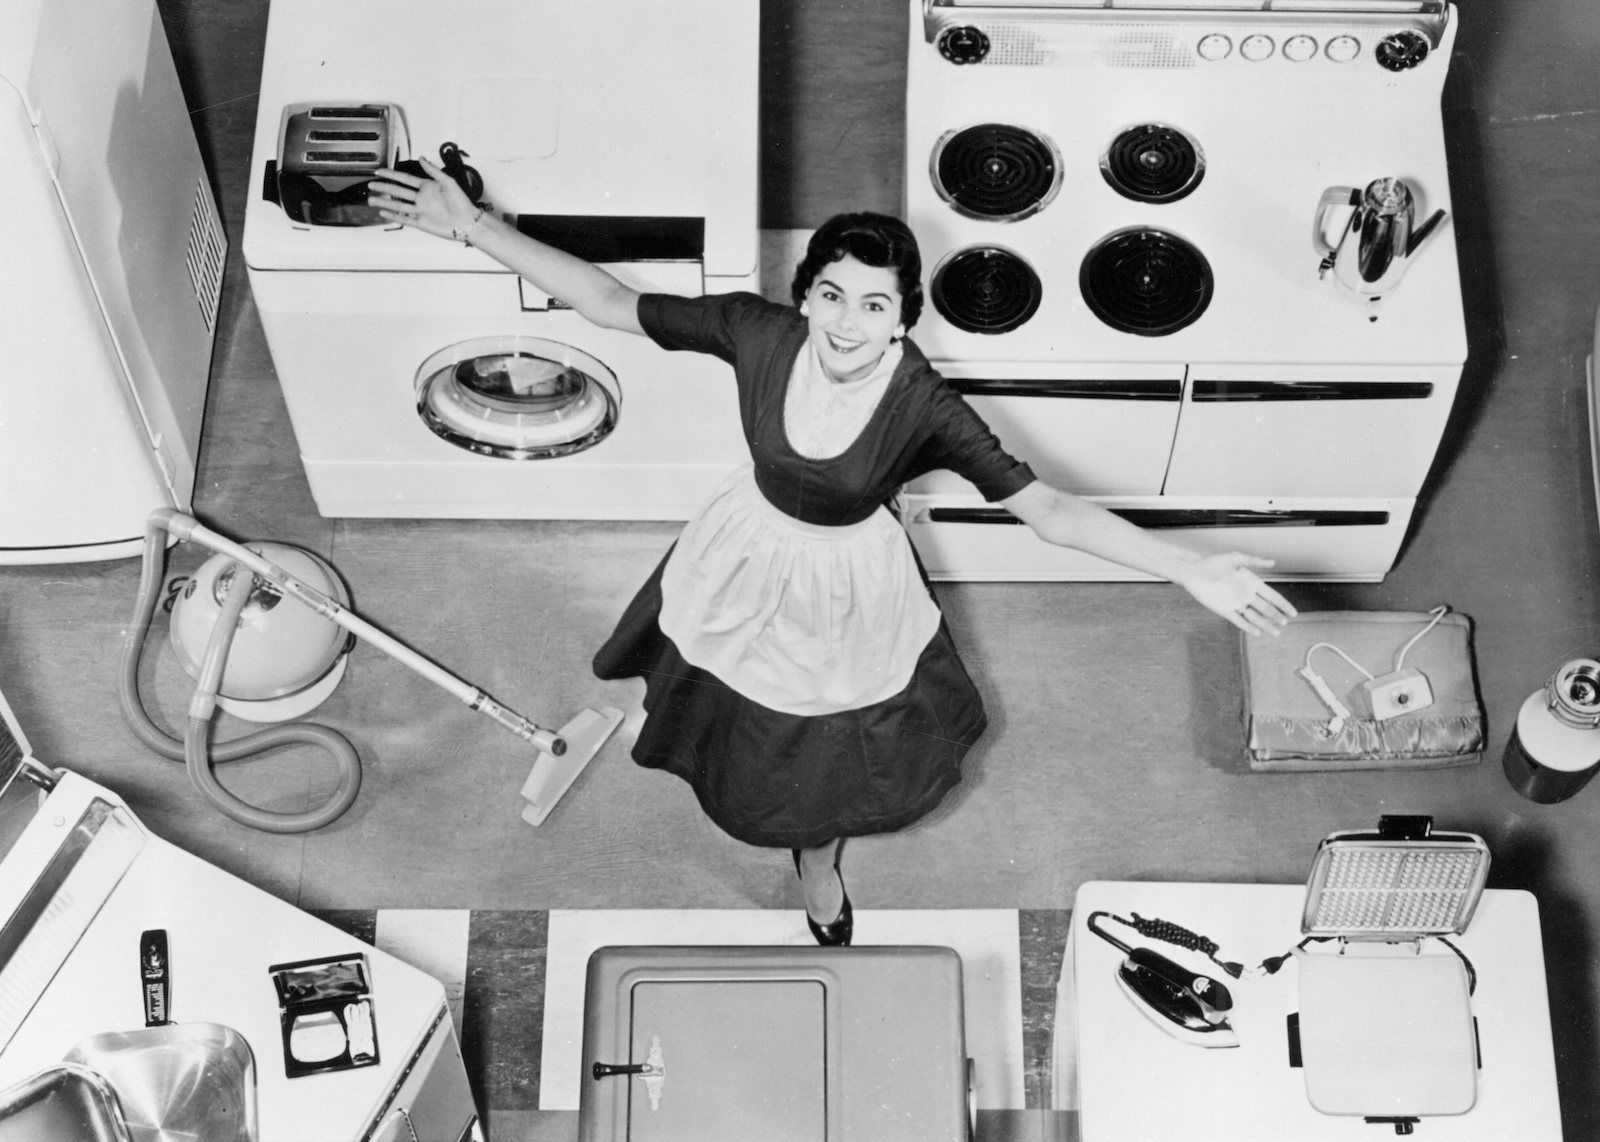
<point x="437" y="206"/>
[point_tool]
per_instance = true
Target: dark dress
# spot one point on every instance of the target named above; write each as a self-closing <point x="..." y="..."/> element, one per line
<point x="781" y="779"/>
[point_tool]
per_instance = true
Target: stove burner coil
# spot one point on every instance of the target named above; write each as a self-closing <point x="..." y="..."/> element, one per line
<point x="986" y="290"/>
<point x="1145" y="281"/>
<point x="996" y="171"/>
<point x="1152" y="163"/>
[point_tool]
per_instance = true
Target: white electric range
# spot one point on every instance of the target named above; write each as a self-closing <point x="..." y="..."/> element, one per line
<point x="1117" y="206"/>
<point x="420" y="376"/>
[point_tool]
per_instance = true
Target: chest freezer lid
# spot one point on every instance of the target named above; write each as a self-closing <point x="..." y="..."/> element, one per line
<point x="620" y="110"/>
<point x="891" y="1059"/>
<point x="735" y="1059"/>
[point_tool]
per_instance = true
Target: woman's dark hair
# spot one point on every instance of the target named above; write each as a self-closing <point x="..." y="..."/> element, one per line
<point x="872" y="240"/>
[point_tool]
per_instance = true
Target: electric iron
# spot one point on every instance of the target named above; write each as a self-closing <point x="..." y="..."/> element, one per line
<point x="1191" y="1007"/>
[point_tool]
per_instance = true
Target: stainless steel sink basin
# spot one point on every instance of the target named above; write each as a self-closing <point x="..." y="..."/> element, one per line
<point x="182" y="1082"/>
<point x="65" y="1103"/>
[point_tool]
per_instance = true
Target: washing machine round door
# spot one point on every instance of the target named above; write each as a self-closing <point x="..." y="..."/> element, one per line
<point x="518" y="398"/>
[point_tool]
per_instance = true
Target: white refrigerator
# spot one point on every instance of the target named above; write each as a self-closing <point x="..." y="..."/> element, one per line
<point x="111" y="258"/>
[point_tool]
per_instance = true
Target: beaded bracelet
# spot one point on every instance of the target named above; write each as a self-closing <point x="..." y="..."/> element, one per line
<point x="463" y="234"/>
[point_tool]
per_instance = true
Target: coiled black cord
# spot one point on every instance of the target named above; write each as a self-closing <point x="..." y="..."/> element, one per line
<point x="1169" y="933"/>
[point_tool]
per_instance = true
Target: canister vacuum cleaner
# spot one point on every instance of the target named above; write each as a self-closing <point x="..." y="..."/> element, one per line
<point x="237" y="629"/>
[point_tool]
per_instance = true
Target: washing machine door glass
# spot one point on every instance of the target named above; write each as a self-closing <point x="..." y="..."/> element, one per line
<point x="518" y="398"/>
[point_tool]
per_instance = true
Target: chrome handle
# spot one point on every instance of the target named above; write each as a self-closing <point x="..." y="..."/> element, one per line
<point x="1332" y="197"/>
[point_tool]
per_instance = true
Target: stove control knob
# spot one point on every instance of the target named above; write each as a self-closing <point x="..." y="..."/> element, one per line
<point x="1215" y="46"/>
<point x="963" y="44"/>
<point x="1299" y="48"/>
<point x="1256" y="47"/>
<point x="1343" y="49"/>
<point x="1403" y="50"/>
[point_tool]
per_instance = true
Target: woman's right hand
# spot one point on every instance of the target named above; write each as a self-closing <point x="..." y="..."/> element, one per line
<point x="435" y="205"/>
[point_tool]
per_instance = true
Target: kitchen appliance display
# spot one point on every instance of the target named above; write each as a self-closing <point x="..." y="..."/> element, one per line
<point x="421" y="377"/>
<point x="1119" y="208"/>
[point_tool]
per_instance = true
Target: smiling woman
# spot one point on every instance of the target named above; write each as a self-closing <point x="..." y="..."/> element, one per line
<point x="799" y="674"/>
<point x="859" y="288"/>
<point x="854" y="316"/>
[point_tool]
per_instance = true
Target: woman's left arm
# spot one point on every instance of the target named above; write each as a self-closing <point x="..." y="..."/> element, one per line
<point x="1226" y="583"/>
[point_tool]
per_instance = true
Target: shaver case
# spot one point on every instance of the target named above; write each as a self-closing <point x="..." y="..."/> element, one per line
<point x="325" y="1013"/>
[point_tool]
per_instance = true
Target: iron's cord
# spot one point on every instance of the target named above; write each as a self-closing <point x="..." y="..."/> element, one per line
<point x="194" y="748"/>
<point x="1170" y="933"/>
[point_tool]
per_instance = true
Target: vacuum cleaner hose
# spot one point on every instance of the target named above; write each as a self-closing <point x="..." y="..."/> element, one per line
<point x="195" y="749"/>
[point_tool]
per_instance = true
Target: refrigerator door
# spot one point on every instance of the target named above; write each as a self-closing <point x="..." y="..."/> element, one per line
<point x="75" y="458"/>
<point x="113" y="252"/>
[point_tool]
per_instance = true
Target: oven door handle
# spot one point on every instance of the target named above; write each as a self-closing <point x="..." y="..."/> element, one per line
<point x="1243" y="392"/>
<point x="1168" y="518"/>
<point x="1141" y="390"/>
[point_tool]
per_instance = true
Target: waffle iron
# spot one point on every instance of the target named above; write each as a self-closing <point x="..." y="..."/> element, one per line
<point x="1385" y="1029"/>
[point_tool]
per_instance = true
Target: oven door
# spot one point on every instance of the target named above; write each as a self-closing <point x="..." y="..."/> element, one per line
<point x="960" y="537"/>
<point x="1309" y="430"/>
<point x="1109" y="433"/>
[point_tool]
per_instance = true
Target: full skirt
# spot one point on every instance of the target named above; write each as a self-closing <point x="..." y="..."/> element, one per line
<point x="767" y="777"/>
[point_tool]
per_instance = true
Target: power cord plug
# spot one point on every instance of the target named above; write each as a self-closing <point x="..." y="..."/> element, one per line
<point x="1341" y="712"/>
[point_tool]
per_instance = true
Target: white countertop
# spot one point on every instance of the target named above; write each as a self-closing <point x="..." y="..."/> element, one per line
<point x="1132" y="1081"/>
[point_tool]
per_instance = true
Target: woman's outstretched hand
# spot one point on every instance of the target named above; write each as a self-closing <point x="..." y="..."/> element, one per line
<point x="1229" y="585"/>
<point x="435" y="205"/>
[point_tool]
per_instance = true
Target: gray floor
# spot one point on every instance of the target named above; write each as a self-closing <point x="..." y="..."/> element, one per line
<point x="1115" y="747"/>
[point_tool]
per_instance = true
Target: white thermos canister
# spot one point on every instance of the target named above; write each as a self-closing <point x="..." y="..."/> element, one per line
<point x="1555" y="746"/>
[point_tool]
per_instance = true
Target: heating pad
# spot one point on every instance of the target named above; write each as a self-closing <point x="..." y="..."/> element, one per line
<point x="1290" y="728"/>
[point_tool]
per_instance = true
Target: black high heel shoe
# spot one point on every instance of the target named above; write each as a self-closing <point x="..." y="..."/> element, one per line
<point x="837" y="933"/>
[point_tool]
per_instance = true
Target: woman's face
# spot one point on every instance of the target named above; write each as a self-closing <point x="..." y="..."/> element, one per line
<point x="852" y="312"/>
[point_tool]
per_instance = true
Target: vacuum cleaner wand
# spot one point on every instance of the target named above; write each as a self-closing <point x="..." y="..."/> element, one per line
<point x="185" y="527"/>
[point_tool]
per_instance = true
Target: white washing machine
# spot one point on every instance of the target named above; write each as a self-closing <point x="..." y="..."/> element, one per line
<point x="421" y="377"/>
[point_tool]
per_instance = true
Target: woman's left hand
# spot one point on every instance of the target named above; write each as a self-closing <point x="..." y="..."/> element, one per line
<point x="1229" y="585"/>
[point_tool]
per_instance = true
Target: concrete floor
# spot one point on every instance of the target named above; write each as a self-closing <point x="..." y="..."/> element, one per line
<point x="1116" y="748"/>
